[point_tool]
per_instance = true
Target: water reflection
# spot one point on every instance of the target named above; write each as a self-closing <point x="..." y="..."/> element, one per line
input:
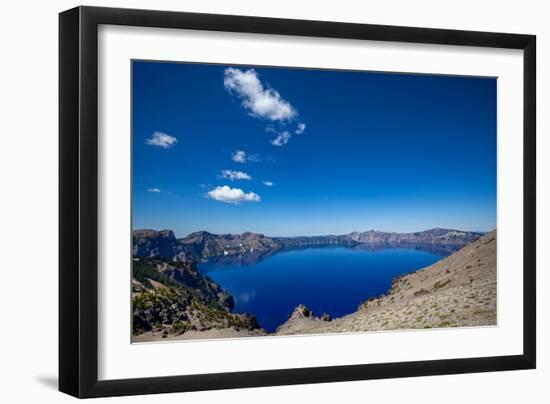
<point x="443" y="250"/>
<point x="252" y="258"/>
<point x="245" y="298"/>
<point x="237" y="260"/>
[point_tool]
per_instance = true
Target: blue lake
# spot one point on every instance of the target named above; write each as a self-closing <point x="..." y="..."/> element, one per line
<point x="327" y="279"/>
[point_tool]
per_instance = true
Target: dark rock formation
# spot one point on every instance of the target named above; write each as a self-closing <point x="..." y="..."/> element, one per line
<point x="163" y="244"/>
<point x="324" y="317"/>
<point x="301" y="311"/>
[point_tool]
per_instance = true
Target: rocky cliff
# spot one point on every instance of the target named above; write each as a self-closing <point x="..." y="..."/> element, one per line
<point x="149" y="243"/>
<point x="173" y="298"/>
<point x="203" y="245"/>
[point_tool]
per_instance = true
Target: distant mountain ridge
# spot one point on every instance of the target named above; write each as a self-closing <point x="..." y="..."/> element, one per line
<point x="436" y="235"/>
<point x="202" y="245"/>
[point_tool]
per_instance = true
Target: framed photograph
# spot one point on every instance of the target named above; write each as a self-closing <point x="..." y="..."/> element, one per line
<point x="251" y="201"/>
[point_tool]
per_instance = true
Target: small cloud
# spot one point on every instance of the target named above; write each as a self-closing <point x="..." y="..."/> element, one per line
<point x="239" y="156"/>
<point x="261" y="101"/>
<point x="300" y="128"/>
<point x="163" y="140"/>
<point x="154" y="190"/>
<point x="281" y="139"/>
<point x="268" y="183"/>
<point x="235" y="175"/>
<point x="255" y="158"/>
<point x="232" y="195"/>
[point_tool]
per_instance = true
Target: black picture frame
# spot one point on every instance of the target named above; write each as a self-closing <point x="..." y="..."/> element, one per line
<point x="78" y="201"/>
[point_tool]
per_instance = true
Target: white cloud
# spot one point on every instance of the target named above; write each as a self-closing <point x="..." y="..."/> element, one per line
<point x="256" y="158"/>
<point x="235" y="175"/>
<point x="261" y="102"/>
<point x="232" y="195"/>
<point x="161" y="140"/>
<point x="281" y="139"/>
<point x="300" y="128"/>
<point x="154" y="190"/>
<point x="268" y="183"/>
<point x="239" y="156"/>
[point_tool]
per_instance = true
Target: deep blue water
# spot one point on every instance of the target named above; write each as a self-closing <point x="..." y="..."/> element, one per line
<point x="328" y="279"/>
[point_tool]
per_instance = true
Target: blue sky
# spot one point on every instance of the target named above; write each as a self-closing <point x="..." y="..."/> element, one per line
<point x="288" y="152"/>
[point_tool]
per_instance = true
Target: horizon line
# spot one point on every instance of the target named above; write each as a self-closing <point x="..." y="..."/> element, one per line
<point x="316" y="235"/>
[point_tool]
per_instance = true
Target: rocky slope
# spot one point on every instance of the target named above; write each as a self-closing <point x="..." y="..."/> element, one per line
<point x="458" y="291"/>
<point x="204" y="245"/>
<point x="172" y="298"/>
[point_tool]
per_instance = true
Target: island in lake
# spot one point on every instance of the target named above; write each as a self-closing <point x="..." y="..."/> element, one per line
<point x="173" y="299"/>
